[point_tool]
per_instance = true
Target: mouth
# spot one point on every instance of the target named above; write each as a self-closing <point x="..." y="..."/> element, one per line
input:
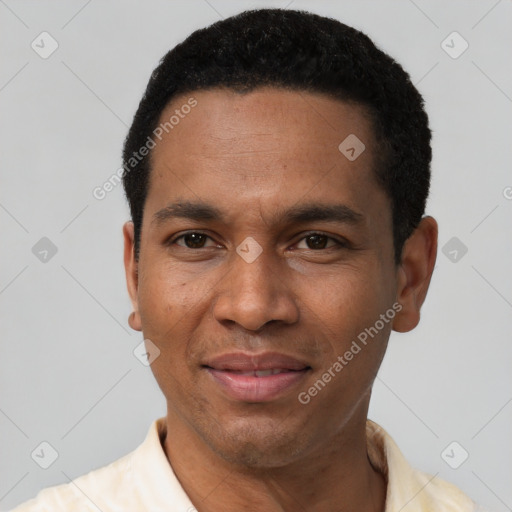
<point x="256" y="378"/>
<point x="259" y="373"/>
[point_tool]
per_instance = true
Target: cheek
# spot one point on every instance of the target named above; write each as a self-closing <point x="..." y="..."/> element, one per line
<point x="345" y="301"/>
<point x="170" y="308"/>
<point x="165" y="293"/>
<point x="345" y="309"/>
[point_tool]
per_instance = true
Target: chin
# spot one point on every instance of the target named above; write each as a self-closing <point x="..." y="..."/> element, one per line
<point x="254" y="445"/>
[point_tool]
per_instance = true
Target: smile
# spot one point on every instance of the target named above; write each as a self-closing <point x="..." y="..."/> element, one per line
<point x="256" y="377"/>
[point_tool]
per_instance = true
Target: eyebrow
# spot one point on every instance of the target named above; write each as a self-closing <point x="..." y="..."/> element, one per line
<point x="320" y="212"/>
<point x="187" y="210"/>
<point x="303" y="213"/>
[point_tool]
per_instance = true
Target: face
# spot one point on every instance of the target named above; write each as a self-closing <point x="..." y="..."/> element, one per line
<point x="265" y="254"/>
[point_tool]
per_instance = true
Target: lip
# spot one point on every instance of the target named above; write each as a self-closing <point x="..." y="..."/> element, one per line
<point x="256" y="377"/>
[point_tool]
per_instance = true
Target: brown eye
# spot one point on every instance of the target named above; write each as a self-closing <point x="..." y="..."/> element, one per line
<point x="192" y="240"/>
<point x="319" y="241"/>
<point x="316" y="241"/>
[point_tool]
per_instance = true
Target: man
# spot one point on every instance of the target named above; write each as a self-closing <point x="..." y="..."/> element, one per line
<point x="277" y="171"/>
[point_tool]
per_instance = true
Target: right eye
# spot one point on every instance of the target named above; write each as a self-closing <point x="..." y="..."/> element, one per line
<point x="192" y="240"/>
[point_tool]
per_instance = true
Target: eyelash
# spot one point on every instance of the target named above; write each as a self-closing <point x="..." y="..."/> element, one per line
<point x="341" y="244"/>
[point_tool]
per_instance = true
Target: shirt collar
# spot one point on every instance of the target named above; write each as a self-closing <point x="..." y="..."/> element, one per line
<point x="153" y="477"/>
<point x="407" y="489"/>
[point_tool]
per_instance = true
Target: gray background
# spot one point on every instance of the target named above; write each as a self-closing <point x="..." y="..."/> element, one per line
<point x="68" y="373"/>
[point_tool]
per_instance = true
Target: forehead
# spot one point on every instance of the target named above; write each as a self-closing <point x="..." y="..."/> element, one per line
<point x="264" y="118"/>
<point x="271" y="146"/>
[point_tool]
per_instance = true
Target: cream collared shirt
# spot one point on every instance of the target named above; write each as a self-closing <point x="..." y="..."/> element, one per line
<point x="143" y="481"/>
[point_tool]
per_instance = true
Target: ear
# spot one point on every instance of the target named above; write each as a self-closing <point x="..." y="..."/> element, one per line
<point x="414" y="274"/>
<point x="132" y="276"/>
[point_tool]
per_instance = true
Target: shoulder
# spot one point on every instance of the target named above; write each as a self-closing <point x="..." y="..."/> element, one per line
<point x="409" y="489"/>
<point x="87" y="493"/>
<point x="141" y="480"/>
<point x="434" y="493"/>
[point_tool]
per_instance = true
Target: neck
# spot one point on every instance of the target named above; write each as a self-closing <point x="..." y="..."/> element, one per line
<point x="336" y="475"/>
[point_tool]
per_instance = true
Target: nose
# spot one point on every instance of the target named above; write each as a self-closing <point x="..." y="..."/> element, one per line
<point x="255" y="294"/>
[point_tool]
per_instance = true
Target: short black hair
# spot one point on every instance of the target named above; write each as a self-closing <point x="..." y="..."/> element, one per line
<point x="295" y="50"/>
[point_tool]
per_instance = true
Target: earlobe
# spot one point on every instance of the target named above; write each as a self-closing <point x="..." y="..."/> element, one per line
<point x="414" y="273"/>
<point x="134" y="321"/>
<point x="132" y="278"/>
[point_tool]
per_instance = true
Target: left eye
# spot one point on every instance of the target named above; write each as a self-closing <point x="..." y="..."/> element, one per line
<point x="193" y="240"/>
<point x="316" y="241"/>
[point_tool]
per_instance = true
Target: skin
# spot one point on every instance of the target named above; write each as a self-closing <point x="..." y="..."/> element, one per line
<point x="254" y="157"/>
